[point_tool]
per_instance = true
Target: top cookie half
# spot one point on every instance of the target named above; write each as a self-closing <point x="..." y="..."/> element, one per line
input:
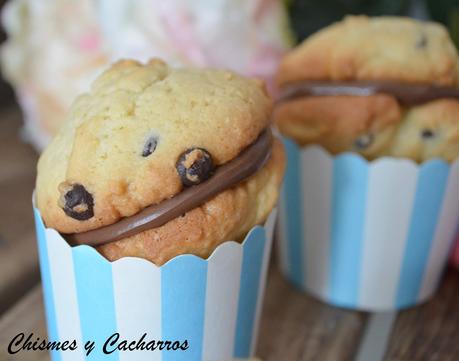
<point x="381" y="48"/>
<point x="122" y="139"/>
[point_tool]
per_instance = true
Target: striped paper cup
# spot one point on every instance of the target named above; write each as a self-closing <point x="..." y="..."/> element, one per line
<point x="366" y="235"/>
<point x="213" y="304"/>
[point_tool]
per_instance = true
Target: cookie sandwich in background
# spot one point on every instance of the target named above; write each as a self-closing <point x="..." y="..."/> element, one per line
<point x="155" y="210"/>
<point x="369" y="108"/>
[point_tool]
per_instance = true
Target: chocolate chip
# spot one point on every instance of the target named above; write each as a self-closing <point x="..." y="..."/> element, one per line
<point x="364" y="141"/>
<point x="194" y="166"/>
<point x="422" y="41"/>
<point x="427" y="133"/>
<point x="150" y="146"/>
<point x="78" y="203"/>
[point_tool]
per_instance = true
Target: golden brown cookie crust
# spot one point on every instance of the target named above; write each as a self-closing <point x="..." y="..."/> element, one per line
<point x="228" y="216"/>
<point x="100" y="145"/>
<point x="378" y="48"/>
<point x="336" y="122"/>
<point x="429" y="131"/>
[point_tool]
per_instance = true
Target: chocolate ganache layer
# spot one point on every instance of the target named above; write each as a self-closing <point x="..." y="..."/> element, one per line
<point x="249" y="161"/>
<point x="407" y="94"/>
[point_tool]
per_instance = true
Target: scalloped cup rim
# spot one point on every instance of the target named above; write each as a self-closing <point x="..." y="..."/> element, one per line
<point x="229" y="243"/>
<point x="370" y="163"/>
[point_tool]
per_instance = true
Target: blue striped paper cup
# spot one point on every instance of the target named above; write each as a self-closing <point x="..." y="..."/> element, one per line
<point x="214" y="304"/>
<point x="366" y="235"/>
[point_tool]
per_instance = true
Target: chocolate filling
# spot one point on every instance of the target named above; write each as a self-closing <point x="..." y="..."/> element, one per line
<point x="407" y="94"/>
<point x="249" y="161"/>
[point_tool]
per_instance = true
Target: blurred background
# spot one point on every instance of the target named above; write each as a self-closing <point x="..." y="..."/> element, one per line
<point x="52" y="49"/>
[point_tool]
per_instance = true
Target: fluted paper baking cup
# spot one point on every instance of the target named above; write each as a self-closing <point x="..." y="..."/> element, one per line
<point x="366" y="235"/>
<point x="213" y="304"/>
